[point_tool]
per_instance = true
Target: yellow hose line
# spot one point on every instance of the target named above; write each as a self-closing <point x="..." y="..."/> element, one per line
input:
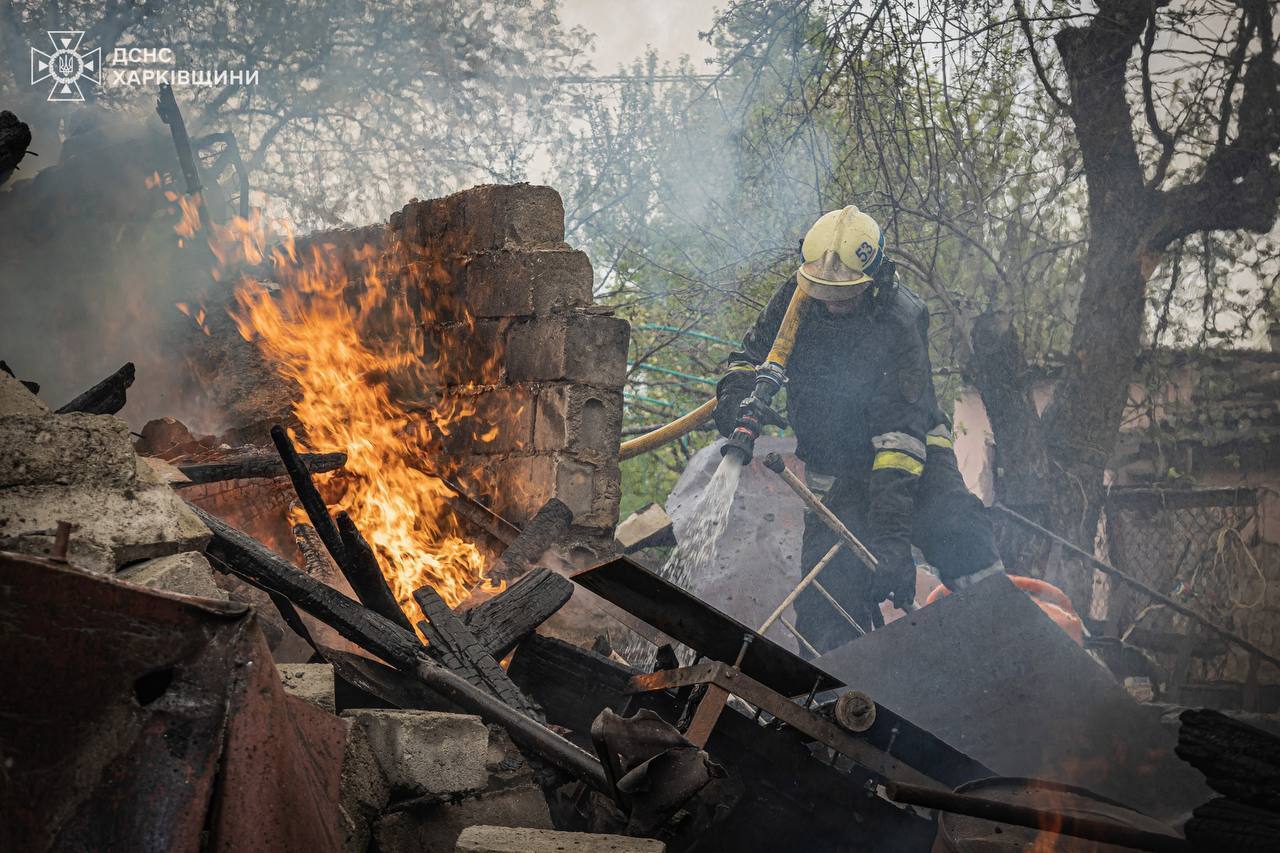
<point x="682" y="425"/>
<point x="783" y="343"/>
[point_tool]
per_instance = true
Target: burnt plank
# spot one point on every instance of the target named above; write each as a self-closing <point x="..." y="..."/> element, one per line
<point x="571" y="684"/>
<point x="105" y="398"/>
<point x="547" y="527"/>
<point x="308" y="494"/>
<point x="453" y="644"/>
<point x="250" y="559"/>
<point x="257" y="465"/>
<point x="504" y="620"/>
<point x="360" y="567"/>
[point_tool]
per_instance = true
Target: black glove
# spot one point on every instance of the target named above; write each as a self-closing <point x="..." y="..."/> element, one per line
<point x="734" y="387"/>
<point x="895" y="580"/>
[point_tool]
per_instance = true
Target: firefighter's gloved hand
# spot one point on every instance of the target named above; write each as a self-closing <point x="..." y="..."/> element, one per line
<point x="734" y="387"/>
<point x="895" y="580"/>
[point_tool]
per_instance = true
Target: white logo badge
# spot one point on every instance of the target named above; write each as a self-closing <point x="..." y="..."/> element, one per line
<point x="66" y="66"/>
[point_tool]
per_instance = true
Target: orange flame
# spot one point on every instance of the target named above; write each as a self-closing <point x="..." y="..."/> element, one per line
<point x="350" y="326"/>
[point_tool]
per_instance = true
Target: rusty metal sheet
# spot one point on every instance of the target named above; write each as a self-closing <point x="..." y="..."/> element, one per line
<point x="119" y="705"/>
<point x="700" y="626"/>
<point x="278" y="789"/>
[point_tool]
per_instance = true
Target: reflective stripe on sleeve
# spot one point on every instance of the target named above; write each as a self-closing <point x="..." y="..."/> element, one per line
<point x="900" y="441"/>
<point x="898" y="461"/>
<point x="940" y="436"/>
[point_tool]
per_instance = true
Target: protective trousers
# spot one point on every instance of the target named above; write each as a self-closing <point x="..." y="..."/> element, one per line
<point x="950" y="527"/>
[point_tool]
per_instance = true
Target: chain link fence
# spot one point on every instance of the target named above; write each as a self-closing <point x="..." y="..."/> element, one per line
<point x="1200" y="547"/>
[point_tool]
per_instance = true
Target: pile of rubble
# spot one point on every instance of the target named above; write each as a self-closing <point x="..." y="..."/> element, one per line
<point x="155" y="704"/>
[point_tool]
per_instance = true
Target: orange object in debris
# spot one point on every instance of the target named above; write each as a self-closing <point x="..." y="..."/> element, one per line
<point x="1052" y="601"/>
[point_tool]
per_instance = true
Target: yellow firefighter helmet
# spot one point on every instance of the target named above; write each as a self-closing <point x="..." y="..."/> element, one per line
<point x="842" y="251"/>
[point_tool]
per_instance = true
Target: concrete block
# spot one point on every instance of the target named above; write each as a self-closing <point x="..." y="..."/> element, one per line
<point x="426" y="752"/>
<point x="464" y="353"/>
<point x="74" y="448"/>
<point x="522" y="484"/>
<point x="484" y="217"/>
<point x="579" y="346"/>
<point x="492" y="420"/>
<point x="524" y="282"/>
<point x="499" y="839"/>
<point x="310" y="682"/>
<point x="132" y="523"/>
<point x="188" y="573"/>
<point x="363" y="791"/>
<point x="584" y="420"/>
<point x="648" y="527"/>
<point x="435" y="827"/>
<point x="15" y="399"/>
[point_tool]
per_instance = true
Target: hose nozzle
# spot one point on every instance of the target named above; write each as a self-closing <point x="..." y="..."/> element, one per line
<point x="756" y="412"/>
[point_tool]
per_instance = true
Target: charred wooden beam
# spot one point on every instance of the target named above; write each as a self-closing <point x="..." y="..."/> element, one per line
<point x="1238" y="760"/>
<point x="1224" y="824"/>
<point x="546" y="528"/>
<point x="105" y="398"/>
<point x="250" y="559"/>
<point x="255" y="563"/>
<point x="504" y="620"/>
<point x="453" y="644"/>
<point x="257" y="465"/>
<point x="573" y="684"/>
<point x="308" y="494"/>
<point x="360" y="567"/>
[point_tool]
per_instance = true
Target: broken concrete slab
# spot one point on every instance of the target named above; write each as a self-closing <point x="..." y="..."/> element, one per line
<point x="188" y="573"/>
<point x="15" y="399"/>
<point x="423" y="753"/>
<point x="310" y="682"/>
<point x="500" y="839"/>
<point x="131" y="523"/>
<point x="73" y="448"/>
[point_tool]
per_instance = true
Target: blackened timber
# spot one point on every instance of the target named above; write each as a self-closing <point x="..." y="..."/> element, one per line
<point x="255" y="563"/>
<point x="1238" y="760"/>
<point x="360" y="567"/>
<point x="263" y="465"/>
<point x="1224" y="824"/>
<point x="451" y="641"/>
<point x="572" y="684"/>
<point x="547" y="527"/>
<point x="315" y="559"/>
<point x="250" y="559"/>
<point x="504" y="620"/>
<point x="308" y="494"/>
<point x="105" y="398"/>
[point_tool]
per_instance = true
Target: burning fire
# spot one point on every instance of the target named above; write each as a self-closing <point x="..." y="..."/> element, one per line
<point x="349" y="326"/>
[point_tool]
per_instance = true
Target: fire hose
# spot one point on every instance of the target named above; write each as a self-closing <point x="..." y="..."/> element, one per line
<point x="756" y="411"/>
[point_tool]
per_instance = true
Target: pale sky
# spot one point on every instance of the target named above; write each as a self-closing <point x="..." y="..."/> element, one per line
<point x="624" y="28"/>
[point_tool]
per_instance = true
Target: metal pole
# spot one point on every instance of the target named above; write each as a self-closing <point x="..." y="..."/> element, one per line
<point x="774" y="463"/>
<point x="1093" y="829"/>
<point x="1108" y="569"/>
<point x="808" y="579"/>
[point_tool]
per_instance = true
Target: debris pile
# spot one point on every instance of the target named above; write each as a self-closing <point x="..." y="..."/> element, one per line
<point x="215" y="647"/>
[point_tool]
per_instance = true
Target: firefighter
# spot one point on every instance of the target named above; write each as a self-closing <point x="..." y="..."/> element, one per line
<point x="876" y="446"/>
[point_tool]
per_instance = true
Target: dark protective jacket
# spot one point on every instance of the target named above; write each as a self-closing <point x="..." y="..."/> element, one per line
<point x="860" y="398"/>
